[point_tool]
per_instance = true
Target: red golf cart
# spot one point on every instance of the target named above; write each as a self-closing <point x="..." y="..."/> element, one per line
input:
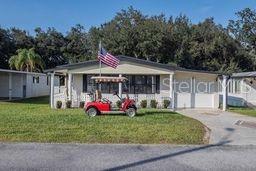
<point x="100" y="105"/>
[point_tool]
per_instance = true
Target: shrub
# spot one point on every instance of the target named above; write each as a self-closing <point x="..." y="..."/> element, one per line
<point x="153" y="103"/>
<point x="59" y="104"/>
<point x="68" y="104"/>
<point x="81" y="105"/>
<point x="166" y="103"/>
<point x="143" y="103"/>
<point x="118" y="103"/>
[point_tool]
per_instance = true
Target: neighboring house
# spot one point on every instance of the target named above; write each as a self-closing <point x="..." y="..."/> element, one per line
<point x="20" y="84"/>
<point x="147" y="80"/>
<point x="242" y="89"/>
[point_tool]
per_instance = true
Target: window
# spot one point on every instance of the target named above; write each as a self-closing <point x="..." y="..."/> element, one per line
<point x="136" y="84"/>
<point x="230" y="86"/>
<point x="84" y="83"/>
<point x="36" y="79"/>
<point x="234" y="86"/>
<point x="62" y="80"/>
<point x="89" y="85"/>
<point x="237" y="86"/>
<point x="47" y="80"/>
<point x="142" y="84"/>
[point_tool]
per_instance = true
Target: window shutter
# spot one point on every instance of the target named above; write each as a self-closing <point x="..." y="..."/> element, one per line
<point x="84" y="83"/>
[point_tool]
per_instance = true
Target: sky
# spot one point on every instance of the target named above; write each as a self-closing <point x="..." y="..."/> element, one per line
<point x="63" y="14"/>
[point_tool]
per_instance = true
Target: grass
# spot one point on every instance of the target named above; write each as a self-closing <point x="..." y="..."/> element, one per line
<point x="243" y="111"/>
<point x="32" y="120"/>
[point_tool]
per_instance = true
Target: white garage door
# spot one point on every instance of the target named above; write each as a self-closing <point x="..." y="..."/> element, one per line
<point x="183" y="100"/>
<point x="197" y="100"/>
<point x="204" y="100"/>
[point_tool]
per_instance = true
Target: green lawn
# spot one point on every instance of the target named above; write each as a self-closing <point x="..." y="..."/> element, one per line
<point x="32" y="120"/>
<point x="244" y="111"/>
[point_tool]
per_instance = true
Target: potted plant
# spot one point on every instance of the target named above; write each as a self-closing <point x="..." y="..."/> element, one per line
<point x="59" y="104"/>
<point x="143" y="103"/>
<point x="68" y="104"/>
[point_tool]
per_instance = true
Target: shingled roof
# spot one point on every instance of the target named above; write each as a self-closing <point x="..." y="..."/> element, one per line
<point x="127" y="59"/>
<point x="244" y="74"/>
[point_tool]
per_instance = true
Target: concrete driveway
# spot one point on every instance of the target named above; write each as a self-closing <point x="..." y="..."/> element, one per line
<point x="225" y="126"/>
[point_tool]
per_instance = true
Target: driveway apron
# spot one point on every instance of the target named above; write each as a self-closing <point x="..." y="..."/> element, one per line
<point x="234" y="128"/>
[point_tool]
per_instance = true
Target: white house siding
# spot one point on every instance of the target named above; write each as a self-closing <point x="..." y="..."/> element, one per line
<point x="164" y="87"/>
<point x="22" y="84"/>
<point x="123" y="68"/>
<point x="249" y="92"/>
<point x="37" y="89"/>
<point x="245" y="95"/>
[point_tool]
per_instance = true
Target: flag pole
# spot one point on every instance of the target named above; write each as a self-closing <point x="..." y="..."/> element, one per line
<point x="100" y="60"/>
<point x="100" y="64"/>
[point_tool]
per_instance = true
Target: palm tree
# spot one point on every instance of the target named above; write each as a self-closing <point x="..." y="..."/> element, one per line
<point x="26" y="60"/>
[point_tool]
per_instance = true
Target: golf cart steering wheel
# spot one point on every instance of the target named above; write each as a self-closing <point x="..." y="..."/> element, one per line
<point x="106" y="100"/>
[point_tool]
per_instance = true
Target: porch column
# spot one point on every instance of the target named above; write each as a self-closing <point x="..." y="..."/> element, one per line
<point x="153" y="84"/>
<point x="69" y="86"/>
<point x="52" y="90"/>
<point x="120" y="88"/>
<point x="224" y="92"/>
<point x="172" y="97"/>
<point x="10" y="86"/>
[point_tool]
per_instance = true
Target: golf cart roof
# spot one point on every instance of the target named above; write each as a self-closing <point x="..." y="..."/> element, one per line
<point x="105" y="79"/>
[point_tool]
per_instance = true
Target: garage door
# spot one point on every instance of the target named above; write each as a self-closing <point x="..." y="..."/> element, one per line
<point x="192" y="92"/>
<point x="183" y="100"/>
<point x="204" y="100"/>
<point x="195" y="100"/>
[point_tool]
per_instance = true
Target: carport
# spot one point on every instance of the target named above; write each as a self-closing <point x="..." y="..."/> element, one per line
<point x="12" y="84"/>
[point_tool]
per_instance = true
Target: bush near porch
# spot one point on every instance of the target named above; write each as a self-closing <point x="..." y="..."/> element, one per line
<point x="32" y="120"/>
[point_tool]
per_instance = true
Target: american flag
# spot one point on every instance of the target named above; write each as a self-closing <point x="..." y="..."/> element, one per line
<point x="107" y="58"/>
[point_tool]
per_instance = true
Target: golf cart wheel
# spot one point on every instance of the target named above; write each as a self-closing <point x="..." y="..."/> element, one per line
<point x="131" y="112"/>
<point x="92" y="112"/>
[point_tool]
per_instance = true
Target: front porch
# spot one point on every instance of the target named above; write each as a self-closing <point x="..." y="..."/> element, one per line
<point x="77" y="87"/>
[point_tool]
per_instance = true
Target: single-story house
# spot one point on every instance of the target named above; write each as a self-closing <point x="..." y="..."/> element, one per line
<point x="20" y="84"/>
<point x="242" y="89"/>
<point x="147" y="80"/>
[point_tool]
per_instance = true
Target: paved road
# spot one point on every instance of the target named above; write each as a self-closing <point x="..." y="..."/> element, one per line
<point x="34" y="156"/>
<point x="223" y="125"/>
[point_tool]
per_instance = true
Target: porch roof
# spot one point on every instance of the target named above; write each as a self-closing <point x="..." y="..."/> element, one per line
<point x="129" y="59"/>
<point x="20" y="72"/>
<point x="244" y="74"/>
